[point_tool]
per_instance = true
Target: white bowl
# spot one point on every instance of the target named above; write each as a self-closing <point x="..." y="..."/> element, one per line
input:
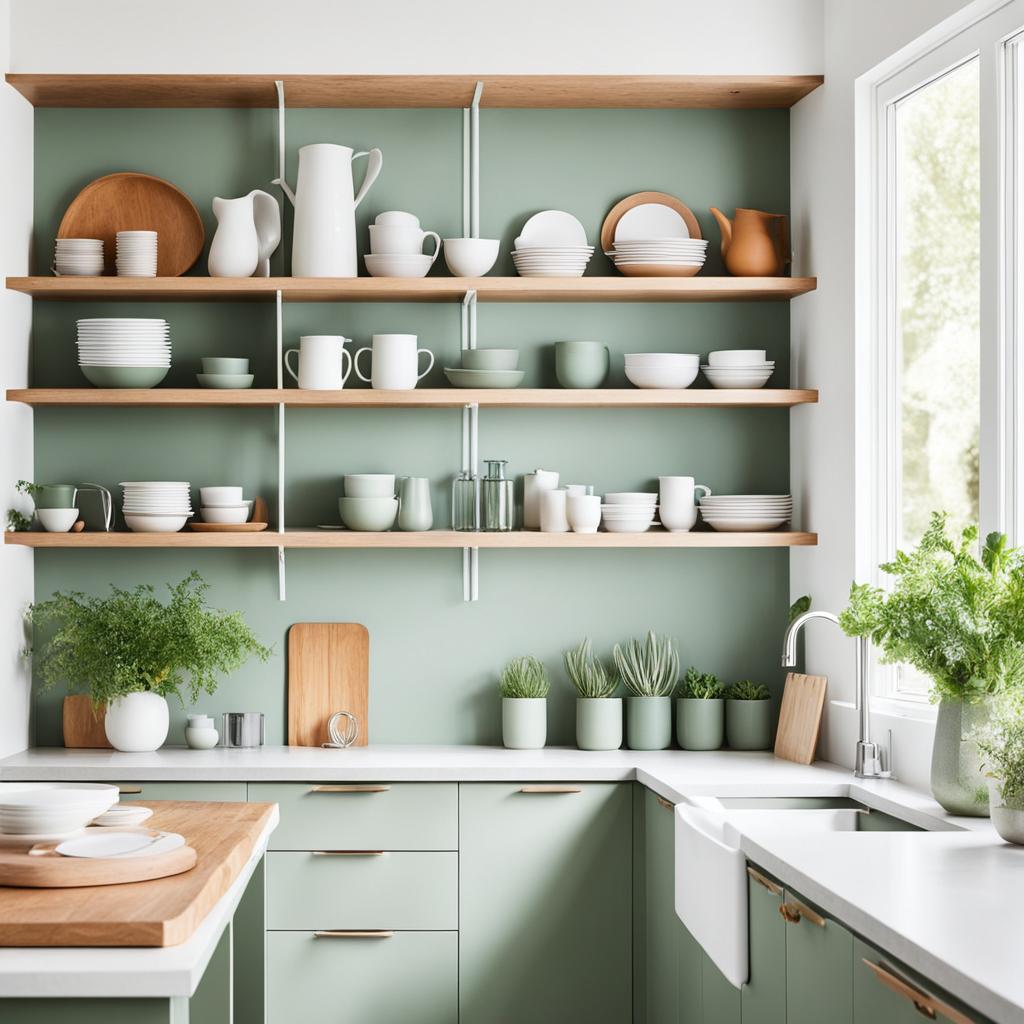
<point x="221" y="495"/>
<point x="470" y="257"/>
<point x="740" y="382"/>
<point x="737" y="357"/>
<point x="57" y="520"/>
<point x="369" y="485"/>
<point x="632" y="498"/>
<point x="57" y="807"/>
<point x="661" y="377"/>
<point x="394" y="265"/>
<point x="155" y="524"/>
<point x="744" y="525"/>
<point x="225" y="515"/>
<point x="673" y="359"/>
<point x="640" y="524"/>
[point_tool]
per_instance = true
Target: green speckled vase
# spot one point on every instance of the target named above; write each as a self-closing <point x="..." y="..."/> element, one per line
<point x="648" y="723"/>
<point x="599" y="723"/>
<point x="958" y="782"/>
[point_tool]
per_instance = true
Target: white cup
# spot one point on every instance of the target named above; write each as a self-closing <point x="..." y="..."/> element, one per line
<point x="583" y="512"/>
<point x="395" y="240"/>
<point x="534" y="485"/>
<point x="397" y="219"/>
<point x="553" y="511"/>
<point x="395" y="362"/>
<point x="321" y="362"/>
<point x="574" y="489"/>
<point x="677" y="505"/>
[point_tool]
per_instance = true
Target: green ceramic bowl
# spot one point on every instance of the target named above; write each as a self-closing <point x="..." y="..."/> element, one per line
<point x="368" y="515"/>
<point x="485" y="378"/>
<point x="124" y="376"/>
<point x="490" y="359"/>
<point x="221" y="364"/>
<point x="225" y="380"/>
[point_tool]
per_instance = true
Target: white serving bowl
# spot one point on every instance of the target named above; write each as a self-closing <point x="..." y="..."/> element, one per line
<point x="154" y="523"/>
<point x="397" y="265"/>
<point x="57" y="520"/>
<point x="638" y="524"/>
<point x="38" y="808"/>
<point x="470" y="257"/>
<point x="662" y="358"/>
<point x="737" y="357"/>
<point x="368" y="514"/>
<point x="369" y="485"/>
<point x="661" y="377"/>
<point x="226" y="516"/>
<point x="738" y="382"/>
<point x="644" y="498"/>
<point x="221" y="495"/>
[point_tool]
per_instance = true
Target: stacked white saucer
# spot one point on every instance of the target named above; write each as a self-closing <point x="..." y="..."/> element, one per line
<point x="156" y="506"/>
<point x="40" y="809"/>
<point x="629" y="511"/>
<point x="553" y="243"/>
<point x="78" y="257"/>
<point x="136" y="253"/>
<point x="738" y="368"/>
<point x="733" y="513"/>
<point x="659" y="257"/>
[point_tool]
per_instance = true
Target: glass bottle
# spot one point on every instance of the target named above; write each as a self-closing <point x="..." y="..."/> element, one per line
<point x="497" y="498"/>
<point x="466" y="501"/>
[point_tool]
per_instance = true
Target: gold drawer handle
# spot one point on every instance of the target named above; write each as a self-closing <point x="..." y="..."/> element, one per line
<point x="795" y="912"/>
<point x="767" y="883"/>
<point x="353" y="935"/>
<point x="925" y="1004"/>
<point x="350" y="788"/>
<point x="131" y="790"/>
<point x="667" y="804"/>
<point x="347" y="853"/>
<point x="550" y="789"/>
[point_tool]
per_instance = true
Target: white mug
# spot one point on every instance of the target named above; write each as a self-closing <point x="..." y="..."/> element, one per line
<point x="583" y="512"/>
<point x="677" y="507"/>
<point x="395" y="362"/>
<point x="394" y="240"/>
<point x="397" y="219"/>
<point x="321" y="362"/>
<point x="553" y="511"/>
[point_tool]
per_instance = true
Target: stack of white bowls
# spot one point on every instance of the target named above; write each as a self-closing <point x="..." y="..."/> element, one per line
<point x="122" y="352"/>
<point x="662" y="369"/>
<point x="553" y="243"/>
<point x="629" y="511"/>
<point x="78" y="257"/>
<point x="659" y="257"/>
<point x="136" y="254"/>
<point x="738" y="368"/>
<point x="732" y="513"/>
<point x="43" y="809"/>
<point x="155" y="506"/>
<point x="224" y="505"/>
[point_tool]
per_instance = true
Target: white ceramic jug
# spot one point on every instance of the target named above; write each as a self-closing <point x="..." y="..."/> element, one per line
<point x="248" y="232"/>
<point x="324" y="243"/>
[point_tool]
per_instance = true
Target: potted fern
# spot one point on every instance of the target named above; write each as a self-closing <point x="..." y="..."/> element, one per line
<point x="598" y="710"/>
<point x="524" y="689"/>
<point x="700" y="713"/>
<point x="649" y="669"/>
<point x="748" y="716"/>
<point x="130" y="652"/>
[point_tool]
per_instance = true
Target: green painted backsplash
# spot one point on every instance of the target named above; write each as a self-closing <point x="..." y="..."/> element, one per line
<point x="434" y="660"/>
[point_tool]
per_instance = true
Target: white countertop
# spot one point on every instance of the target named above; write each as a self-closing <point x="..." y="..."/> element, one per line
<point x="949" y="904"/>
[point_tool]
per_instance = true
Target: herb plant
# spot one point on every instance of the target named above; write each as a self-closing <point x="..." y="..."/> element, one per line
<point x="648" y="667"/>
<point x="588" y="674"/>
<point x="955" y="617"/>
<point x="28" y="488"/>
<point x="746" y="690"/>
<point x="1003" y="752"/>
<point x="129" y="642"/>
<point x="701" y="685"/>
<point x="524" y="677"/>
<point x="17" y="522"/>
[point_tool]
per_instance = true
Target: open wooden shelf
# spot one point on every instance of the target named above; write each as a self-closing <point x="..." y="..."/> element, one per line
<point x="312" y="538"/>
<point x="423" y="289"/>
<point x="536" y="91"/>
<point x="421" y="398"/>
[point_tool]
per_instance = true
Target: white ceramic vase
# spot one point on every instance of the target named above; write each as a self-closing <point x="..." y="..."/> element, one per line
<point x="137" y="722"/>
<point x="524" y="722"/>
<point x="248" y="232"/>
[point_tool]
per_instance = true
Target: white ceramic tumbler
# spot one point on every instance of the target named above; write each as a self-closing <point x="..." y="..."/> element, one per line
<point x="553" y="511"/>
<point x="677" y="504"/>
<point x="534" y="484"/>
<point x="583" y="512"/>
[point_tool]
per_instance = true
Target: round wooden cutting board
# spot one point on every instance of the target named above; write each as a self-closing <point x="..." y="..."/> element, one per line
<point x="130" y="201"/>
<point x="621" y="208"/>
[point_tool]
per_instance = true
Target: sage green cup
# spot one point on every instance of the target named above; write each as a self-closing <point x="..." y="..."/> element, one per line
<point x="748" y="724"/>
<point x="56" y="496"/>
<point x="648" y="723"/>
<point x="581" y="364"/>
<point x="700" y="724"/>
<point x="599" y="723"/>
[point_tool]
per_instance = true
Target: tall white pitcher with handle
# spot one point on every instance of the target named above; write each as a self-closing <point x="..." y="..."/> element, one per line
<point x="324" y="243"/>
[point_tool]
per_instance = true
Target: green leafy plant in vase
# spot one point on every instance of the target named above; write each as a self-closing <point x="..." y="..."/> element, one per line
<point x="598" y="710"/>
<point x="649" y="670"/>
<point x="700" y="711"/>
<point x="524" y="687"/>
<point x="958" y="618"/>
<point x="1002" y="751"/>
<point x="130" y="651"/>
<point x="748" y="716"/>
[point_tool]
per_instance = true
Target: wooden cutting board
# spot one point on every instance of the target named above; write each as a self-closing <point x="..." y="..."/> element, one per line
<point x="800" y="719"/>
<point x="328" y="671"/>
<point x="83" y="725"/>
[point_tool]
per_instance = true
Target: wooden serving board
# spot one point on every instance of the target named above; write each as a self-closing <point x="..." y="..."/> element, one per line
<point x="159" y="912"/>
<point x="800" y="719"/>
<point x="623" y="206"/>
<point x="328" y="671"/>
<point x="83" y="724"/>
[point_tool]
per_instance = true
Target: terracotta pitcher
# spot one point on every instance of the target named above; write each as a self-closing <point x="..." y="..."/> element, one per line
<point x="755" y="243"/>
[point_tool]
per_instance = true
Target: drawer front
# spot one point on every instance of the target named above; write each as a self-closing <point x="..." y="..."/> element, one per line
<point x="400" y="891"/>
<point x="219" y="791"/>
<point x="363" y="816"/>
<point x="410" y="976"/>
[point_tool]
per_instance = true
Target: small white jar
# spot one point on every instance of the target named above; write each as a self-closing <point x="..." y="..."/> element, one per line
<point x="200" y="733"/>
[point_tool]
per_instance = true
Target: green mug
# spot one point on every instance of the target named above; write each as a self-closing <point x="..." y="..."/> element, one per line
<point x="55" y="496"/>
<point x="581" y="364"/>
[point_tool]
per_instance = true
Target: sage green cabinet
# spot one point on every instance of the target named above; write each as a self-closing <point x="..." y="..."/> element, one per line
<point x="719" y="997"/>
<point x="819" y="966"/>
<point x="763" y="998"/>
<point x="219" y="791"/>
<point x="545" y="903"/>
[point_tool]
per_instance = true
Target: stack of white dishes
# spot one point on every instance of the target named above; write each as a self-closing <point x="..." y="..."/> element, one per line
<point x="662" y="369"/>
<point x="156" y="506"/>
<point x="659" y="257"/>
<point x="552" y="244"/>
<point x="370" y="504"/>
<point x="224" y="505"/>
<point x="121" y="352"/>
<point x="33" y="811"/>
<point x="124" y="815"/>
<point x="136" y="254"/>
<point x="629" y="511"/>
<point x="732" y="513"/>
<point x="738" y="368"/>
<point x="78" y="257"/>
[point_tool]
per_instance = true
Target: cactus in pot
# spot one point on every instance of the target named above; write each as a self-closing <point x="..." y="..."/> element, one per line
<point x="598" y="710"/>
<point x="524" y="687"/>
<point x="700" y="711"/>
<point x="748" y="716"/>
<point x="649" y="669"/>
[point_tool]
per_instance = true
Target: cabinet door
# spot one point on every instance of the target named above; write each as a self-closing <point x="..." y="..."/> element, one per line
<point x="720" y="998"/>
<point x="819" y="966"/>
<point x="661" y="926"/>
<point x="690" y="961"/>
<point x="545" y="903"/>
<point x="764" y="996"/>
<point x="219" y="791"/>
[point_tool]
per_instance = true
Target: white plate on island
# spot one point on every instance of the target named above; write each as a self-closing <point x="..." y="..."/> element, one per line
<point x="138" y="842"/>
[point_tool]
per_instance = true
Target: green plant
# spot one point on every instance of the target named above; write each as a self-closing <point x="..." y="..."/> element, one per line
<point x="1003" y="751"/>
<point x="16" y="522"/>
<point x="648" y="667"/>
<point x="955" y="617"/>
<point x="588" y="674"/>
<point x="28" y="488"/>
<point x="701" y="685"/>
<point x="524" y="677"/>
<point x="130" y="641"/>
<point x="799" y="606"/>
<point x="746" y="690"/>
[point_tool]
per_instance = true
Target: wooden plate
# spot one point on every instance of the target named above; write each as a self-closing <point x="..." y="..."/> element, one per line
<point x="616" y="213"/>
<point x="130" y="201"/>
<point x="657" y="270"/>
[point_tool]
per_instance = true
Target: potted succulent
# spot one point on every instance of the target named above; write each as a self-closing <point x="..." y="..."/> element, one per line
<point x="1002" y="750"/>
<point x="524" y="689"/>
<point x="748" y="716"/>
<point x="598" y="710"/>
<point x="959" y="619"/>
<point x="130" y="651"/>
<point x="700" y="712"/>
<point x="649" y="669"/>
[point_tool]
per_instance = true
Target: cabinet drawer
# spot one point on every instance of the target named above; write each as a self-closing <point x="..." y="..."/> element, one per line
<point x="219" y="791"/>
<point x="363" y="816"/>
<point x="409" y="976"/>
<point x="410" y="891"/>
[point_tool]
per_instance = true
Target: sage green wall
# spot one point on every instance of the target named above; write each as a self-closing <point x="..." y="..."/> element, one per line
<point x="434" y="659"/>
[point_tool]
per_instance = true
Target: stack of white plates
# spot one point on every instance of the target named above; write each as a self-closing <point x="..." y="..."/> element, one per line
<point x="78" y="257"/>
<point x="629" y="511"/>
<point x="124" y="352"/>
<point x="659" y="257"/>
<point x="552" y="244"/>
<point x="155" y="506"/>
<point x="136" y="254"/>
<point x="738" y="368"/>
<point x="51" y="809"/>
<point x="746" y="512"/>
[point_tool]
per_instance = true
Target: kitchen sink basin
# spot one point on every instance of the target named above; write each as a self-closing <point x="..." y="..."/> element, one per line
<point x="815" y="814"/>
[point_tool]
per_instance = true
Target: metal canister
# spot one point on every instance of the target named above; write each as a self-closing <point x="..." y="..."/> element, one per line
<point x="242" y="729"/>
<point x="497" y="498"/>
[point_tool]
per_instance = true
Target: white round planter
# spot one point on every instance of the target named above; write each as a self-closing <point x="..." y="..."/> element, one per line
<point x="524" y="722"/>
<point x="137" y="722"/>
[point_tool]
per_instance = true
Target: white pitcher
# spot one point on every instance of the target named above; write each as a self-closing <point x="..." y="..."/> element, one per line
<point x="324" y="243"/>
<point x="248" y="232"/>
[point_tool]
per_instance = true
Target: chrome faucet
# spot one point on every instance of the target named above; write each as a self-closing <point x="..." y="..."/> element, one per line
<point x="868" y="762"/>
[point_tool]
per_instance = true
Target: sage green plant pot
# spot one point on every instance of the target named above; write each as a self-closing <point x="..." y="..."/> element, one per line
<point x="599" y="723"/>
<point x="700" y="724"/>
<point x="958" y="782"/>
<point x="648" y="723"/>
<point x="748" y="724"/>
<point x="524" y="722"/>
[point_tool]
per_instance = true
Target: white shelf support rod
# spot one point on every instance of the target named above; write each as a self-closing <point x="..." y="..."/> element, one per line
<point x="466" y="146"/>
<point x="279" y="85"/>
<point x="470" y="447"/>
<point x="279" y="319"/>
<point x="474" y="225"/>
